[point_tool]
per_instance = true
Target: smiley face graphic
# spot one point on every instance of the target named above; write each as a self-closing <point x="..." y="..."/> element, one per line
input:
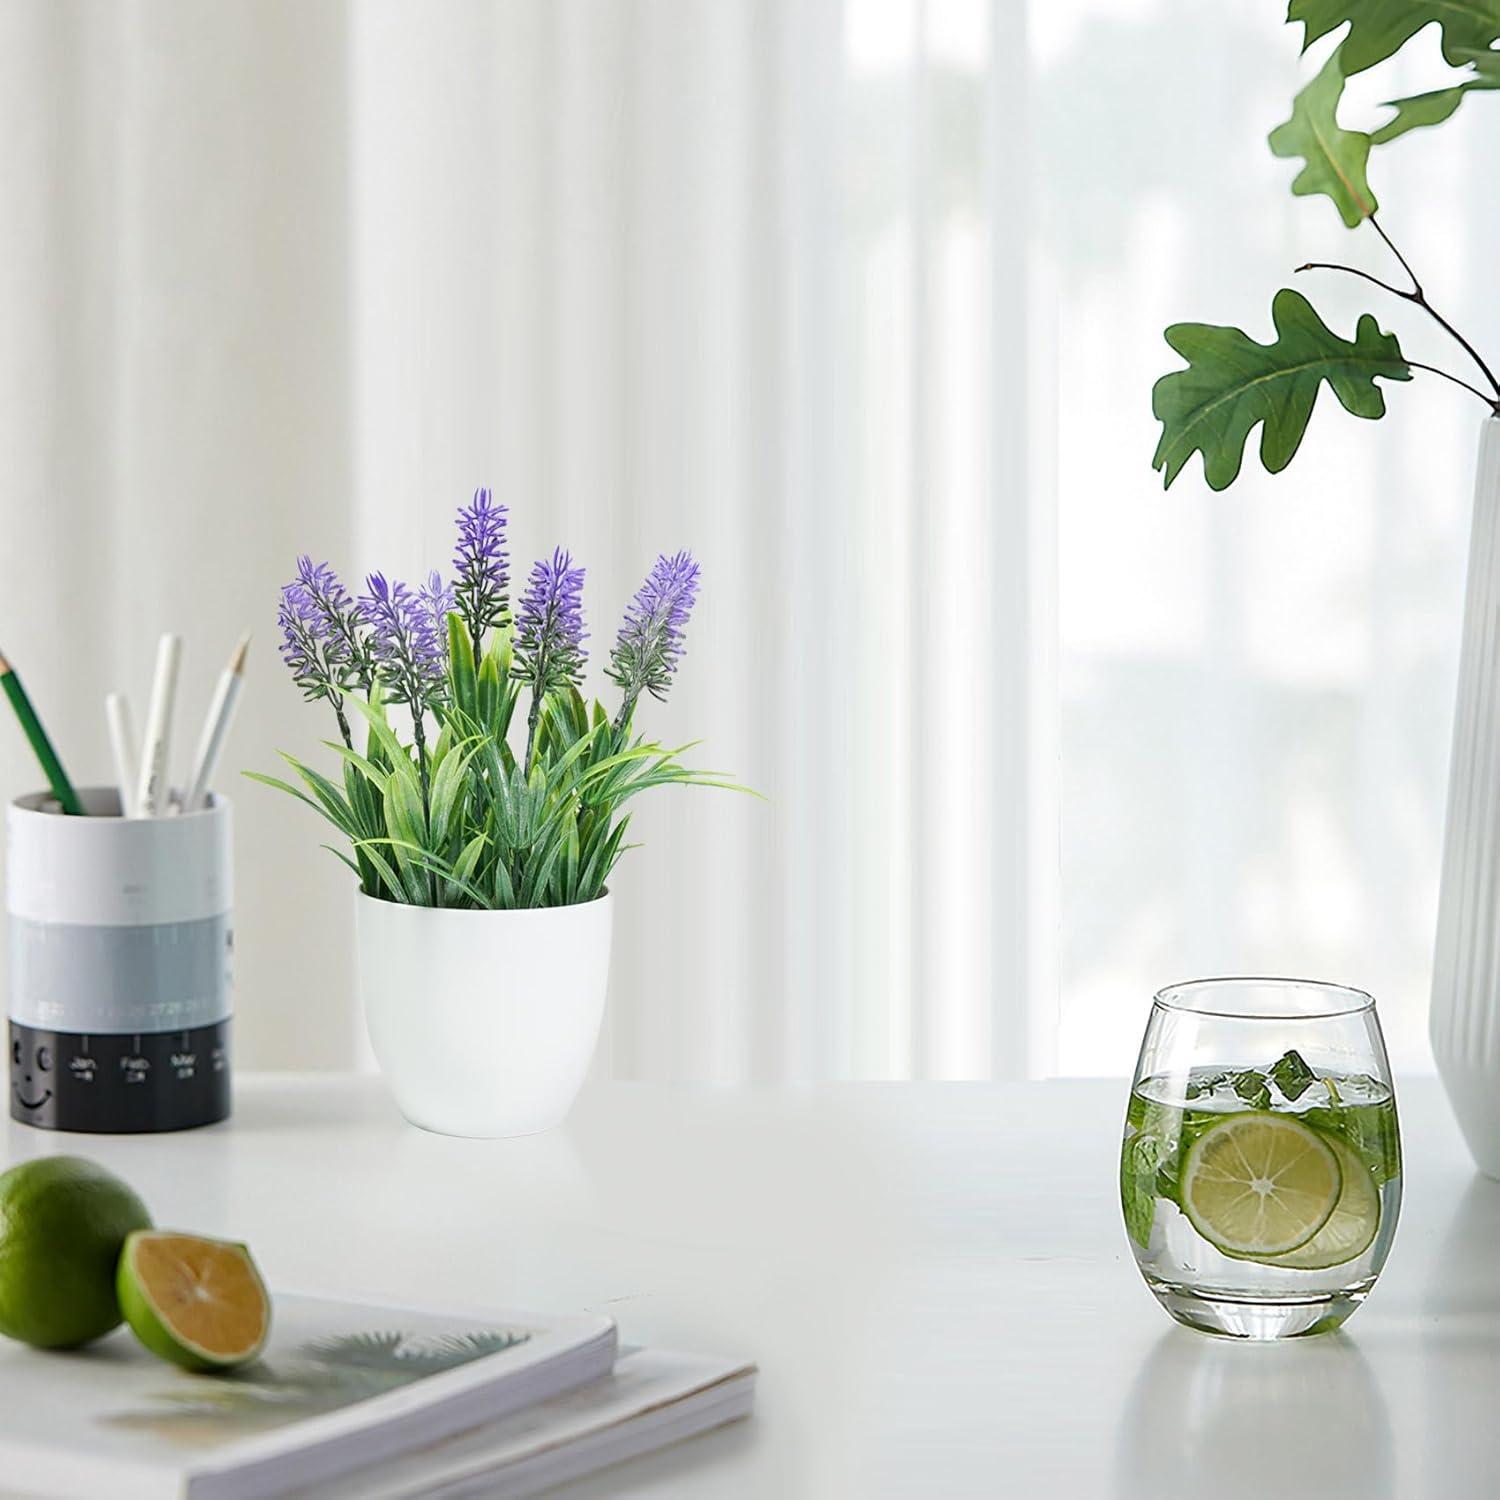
<point x="31" y="1070"/>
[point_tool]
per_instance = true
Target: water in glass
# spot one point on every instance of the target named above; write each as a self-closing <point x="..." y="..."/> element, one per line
<point x="1260" y="1170"/>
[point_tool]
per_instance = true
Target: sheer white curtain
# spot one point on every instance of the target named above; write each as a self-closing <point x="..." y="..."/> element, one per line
<point x="1256" y="687"/>
<point x="745" y="278"/>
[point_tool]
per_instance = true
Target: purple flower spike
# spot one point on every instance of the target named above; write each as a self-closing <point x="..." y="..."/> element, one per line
<point x="334" y="619"/>
<point x="301" y="645"/>
<point x="482" y="566"/>
<point x="649" y="645"/>
<point x="408" y="652"/>
<point x="437" y="599"/>
<point x="323" y="640"/>
<point x="549" y="641"/>
<point x="322" y="587"/>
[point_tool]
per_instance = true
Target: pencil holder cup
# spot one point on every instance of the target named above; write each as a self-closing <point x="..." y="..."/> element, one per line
<point x="120" y="942"/>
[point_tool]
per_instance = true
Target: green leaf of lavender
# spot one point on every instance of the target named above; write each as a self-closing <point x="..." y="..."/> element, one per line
<point x="391" y="748"/>
<point x="448" y="788"/>
<point x="372" y="850"/>
<point x="463" y="678"/>
<point x="403" y="818"/>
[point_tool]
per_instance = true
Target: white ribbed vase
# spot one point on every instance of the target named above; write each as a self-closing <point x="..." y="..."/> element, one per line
<point x="1465" y="1021"/>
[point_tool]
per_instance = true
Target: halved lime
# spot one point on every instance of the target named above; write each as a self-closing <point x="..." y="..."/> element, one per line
<point x="1350" y="1227"/>
<point x="197" y="1302"/>
<point x="1258" y="1184"/>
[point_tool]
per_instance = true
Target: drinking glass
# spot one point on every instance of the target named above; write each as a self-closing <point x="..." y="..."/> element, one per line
<point x="1260" y="1173"/>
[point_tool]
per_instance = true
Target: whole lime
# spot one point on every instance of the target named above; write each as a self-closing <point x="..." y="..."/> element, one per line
<point x="63" y="1221"/>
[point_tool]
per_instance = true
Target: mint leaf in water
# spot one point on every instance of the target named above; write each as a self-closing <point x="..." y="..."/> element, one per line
<point x="1201" y="1086"/>
<point x="1292" y="1075"/>
<point x="1140" y="1162"/>
<point x="1252" y="1087"/>
<point x="1369" y="1130"/>
<point x="1148" y="1160"/>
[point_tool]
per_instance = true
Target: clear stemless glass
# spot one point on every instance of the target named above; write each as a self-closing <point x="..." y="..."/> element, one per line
<point x="1260" y="1174"/>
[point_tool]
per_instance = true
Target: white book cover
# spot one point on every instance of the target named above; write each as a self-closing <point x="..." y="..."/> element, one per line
<point x="651" y="1398"/>
<point x="341" y="1385"/>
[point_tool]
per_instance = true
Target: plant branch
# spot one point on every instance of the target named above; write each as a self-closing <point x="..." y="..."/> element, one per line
<point x="1419" y="297"/>
<point x="1490" y="401"/>
<point x="419" y="734"/>
<point x="338" y="708"/>
<point x="622" y="719"/>
<point x="1385" y="286"/>
<point x="532" y="719"/>
<point x="1390" y="244"/>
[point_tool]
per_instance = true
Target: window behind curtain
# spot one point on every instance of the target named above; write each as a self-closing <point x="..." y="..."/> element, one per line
<point x="1256" y="687"/>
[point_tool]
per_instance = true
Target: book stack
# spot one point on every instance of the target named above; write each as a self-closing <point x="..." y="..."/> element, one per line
<point x="356" y="1402"/>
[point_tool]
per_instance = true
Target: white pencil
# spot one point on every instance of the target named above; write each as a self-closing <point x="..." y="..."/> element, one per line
<point x="152" y="796"/>
<point x="216" y="728"/>
<point x="122" y="742"/>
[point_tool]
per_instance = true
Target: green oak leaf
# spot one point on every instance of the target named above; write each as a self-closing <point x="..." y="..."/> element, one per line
<point x="1419" y="110"/>
<point x="1380" y="28"/>
<point x="1335" y="158"/>
<point x="1232" y="383"/>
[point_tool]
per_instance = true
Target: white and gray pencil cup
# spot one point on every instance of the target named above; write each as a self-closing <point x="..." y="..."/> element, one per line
<point x="120" y="949"/>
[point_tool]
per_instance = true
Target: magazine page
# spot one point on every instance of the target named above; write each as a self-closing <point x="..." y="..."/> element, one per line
<point x="339" y="1384"/>
<point x="651" y="1398"/>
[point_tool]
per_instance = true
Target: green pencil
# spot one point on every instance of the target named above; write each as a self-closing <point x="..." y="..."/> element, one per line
<point x="62" y="788"/>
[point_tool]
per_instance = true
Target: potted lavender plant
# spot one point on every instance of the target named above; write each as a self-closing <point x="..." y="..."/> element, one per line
<point x="483" y="909"/>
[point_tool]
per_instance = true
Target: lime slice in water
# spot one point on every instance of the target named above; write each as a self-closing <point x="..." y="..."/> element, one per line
<point x="1350" y="1227"/>
<point x="1259" y="1184"/>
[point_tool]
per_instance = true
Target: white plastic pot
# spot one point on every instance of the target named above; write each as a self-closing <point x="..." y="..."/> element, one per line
<point x="484" y="1022"/>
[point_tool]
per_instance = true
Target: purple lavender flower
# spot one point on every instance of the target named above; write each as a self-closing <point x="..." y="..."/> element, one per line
<point x="334" y="617"/>
<point x="301" y="647"/>
<point x="323" y="586"/>
<point x="548" y="648"/>
<point x="437" y="600"/>
<point x="482" y="564"/>
<point x="649" y="645"/>
<point x="406" y="648"/>
<point x="322" y="641"/>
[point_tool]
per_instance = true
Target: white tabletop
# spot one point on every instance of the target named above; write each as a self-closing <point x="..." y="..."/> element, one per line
<point x="933" y="1278"/>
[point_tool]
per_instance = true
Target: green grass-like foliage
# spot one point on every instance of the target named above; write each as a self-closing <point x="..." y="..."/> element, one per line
<point x="490" y="833"/>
